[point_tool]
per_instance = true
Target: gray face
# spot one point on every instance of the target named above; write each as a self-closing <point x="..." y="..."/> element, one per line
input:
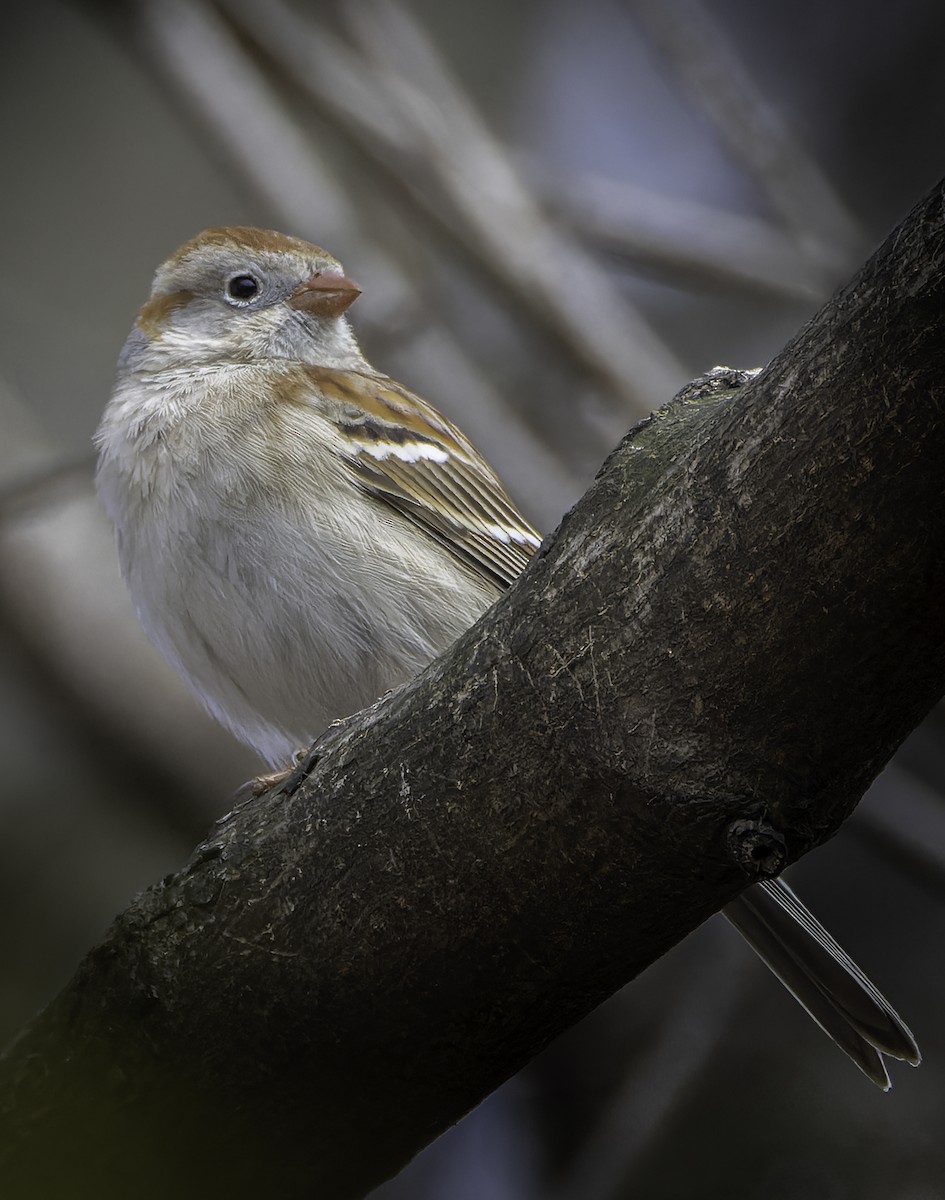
<point x="214" y="303"/>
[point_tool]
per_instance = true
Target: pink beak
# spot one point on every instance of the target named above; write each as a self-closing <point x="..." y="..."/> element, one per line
<point x="325" y="295"/>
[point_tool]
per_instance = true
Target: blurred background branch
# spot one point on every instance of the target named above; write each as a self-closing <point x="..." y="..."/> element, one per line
<point x="719" y="84"/>
<point x="558" y="213"/>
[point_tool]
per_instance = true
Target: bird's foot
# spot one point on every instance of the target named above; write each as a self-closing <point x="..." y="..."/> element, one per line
<point x="287" y="778"/>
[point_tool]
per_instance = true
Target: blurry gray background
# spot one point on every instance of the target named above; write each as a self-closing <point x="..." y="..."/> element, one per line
<point x="558" y="213"/>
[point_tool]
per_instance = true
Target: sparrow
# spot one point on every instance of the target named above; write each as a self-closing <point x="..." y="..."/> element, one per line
<point x="300" y="534"/>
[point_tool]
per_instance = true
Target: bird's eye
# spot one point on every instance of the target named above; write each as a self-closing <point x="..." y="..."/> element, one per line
<point x="242" y="287"/>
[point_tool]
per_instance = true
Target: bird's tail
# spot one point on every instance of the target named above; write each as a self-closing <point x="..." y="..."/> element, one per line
<point x="822" y="977"/>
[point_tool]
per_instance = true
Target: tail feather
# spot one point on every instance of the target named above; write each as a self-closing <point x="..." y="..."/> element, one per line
<point x="822" y="977"/>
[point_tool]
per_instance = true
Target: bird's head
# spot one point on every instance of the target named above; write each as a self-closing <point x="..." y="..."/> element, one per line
<point x="244" y="295"/>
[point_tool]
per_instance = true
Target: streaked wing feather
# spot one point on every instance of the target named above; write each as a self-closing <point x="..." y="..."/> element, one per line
<point x="403" y="452"/>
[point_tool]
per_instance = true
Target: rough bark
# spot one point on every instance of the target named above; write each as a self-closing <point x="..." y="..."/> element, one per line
<point x="692" y="684"/>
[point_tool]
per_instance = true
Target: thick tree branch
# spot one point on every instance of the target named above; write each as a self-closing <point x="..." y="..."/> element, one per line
<point x="732" y="631"/>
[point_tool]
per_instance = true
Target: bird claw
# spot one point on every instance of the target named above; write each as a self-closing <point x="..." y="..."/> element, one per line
<point x="287" y="779"/>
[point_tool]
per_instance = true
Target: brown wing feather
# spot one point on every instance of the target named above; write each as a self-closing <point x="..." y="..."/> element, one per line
<point x="405" y="453"/>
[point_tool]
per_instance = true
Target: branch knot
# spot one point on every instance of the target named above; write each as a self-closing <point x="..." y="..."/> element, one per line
<point x="757" y="847"/>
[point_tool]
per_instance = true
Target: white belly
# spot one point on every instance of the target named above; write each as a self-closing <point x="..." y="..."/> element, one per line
<point x="280" y="616"/>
